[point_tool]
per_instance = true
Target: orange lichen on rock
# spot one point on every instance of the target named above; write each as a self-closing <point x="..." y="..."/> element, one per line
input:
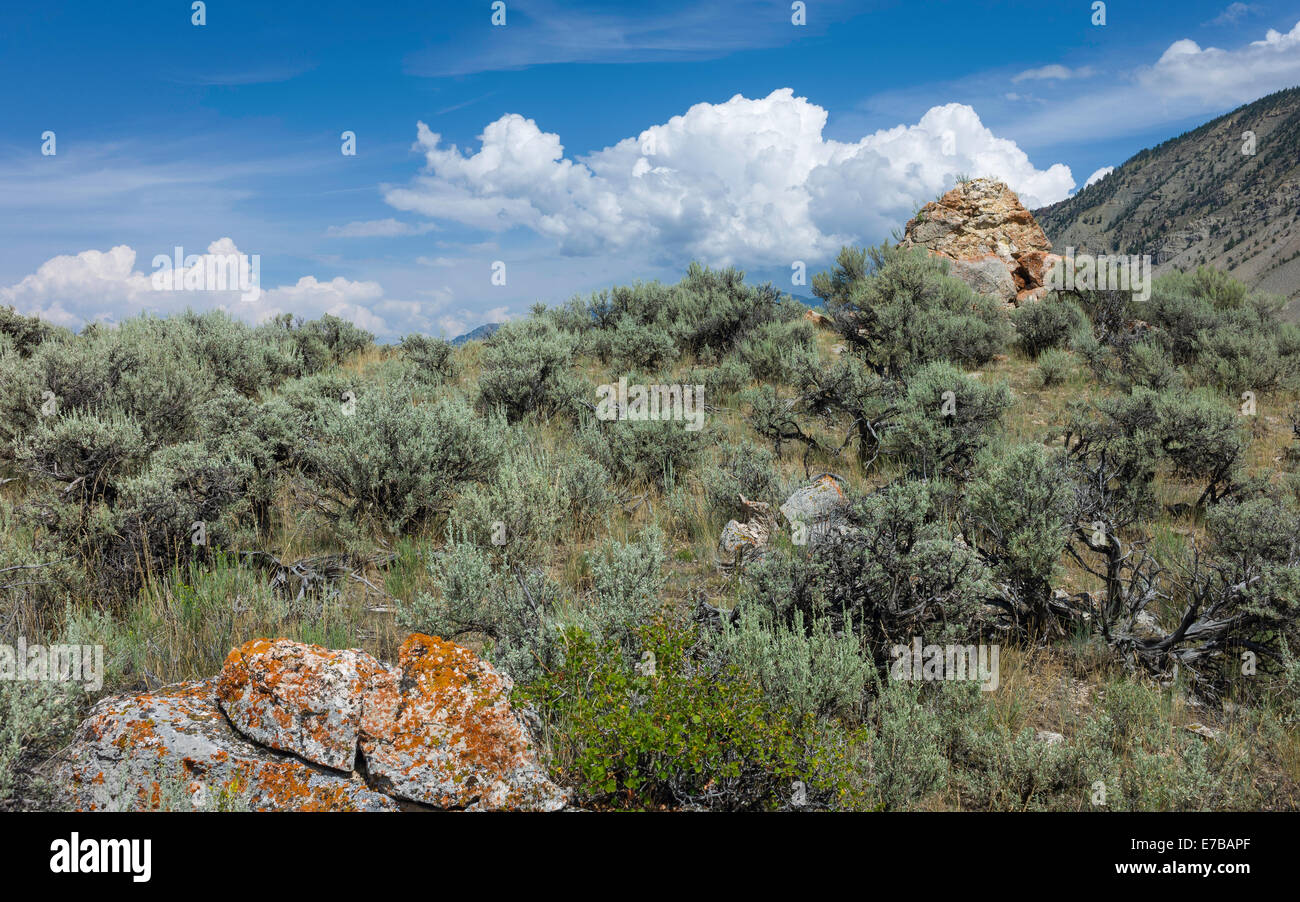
<point x="133" y="752"/>
<point x="298" y="698"/>
<point x="436" y="730"/>
<point x="440" y="731"/>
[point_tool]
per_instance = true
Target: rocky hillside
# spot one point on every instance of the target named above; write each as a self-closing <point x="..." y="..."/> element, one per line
<point x="1203" y="198"/>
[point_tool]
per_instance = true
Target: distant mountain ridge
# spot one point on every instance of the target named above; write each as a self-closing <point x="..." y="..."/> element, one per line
<point x="478" y="334"/>
<point x="1202" y="198"/>
<point x="485" y="331"/>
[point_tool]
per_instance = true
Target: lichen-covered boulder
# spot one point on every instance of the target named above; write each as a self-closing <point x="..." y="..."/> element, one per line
<point x="174" y="749"/>
<point x="815" y="510"/>
<point x="298" y="698"/>
<point x="439" y="730"/>
<point x="741" y="541"/>
<point x="285" y="726"/>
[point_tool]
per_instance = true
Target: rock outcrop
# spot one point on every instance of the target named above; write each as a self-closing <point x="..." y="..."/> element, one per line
<point x="748" y="541"/>
<point x="994" y="243"/>
<point x="294" y="727"/>
<point x="812" y="512"/>
<point x="298" y="698"/>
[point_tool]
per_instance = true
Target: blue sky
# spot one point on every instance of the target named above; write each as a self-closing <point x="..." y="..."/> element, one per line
<point x="580" y="144"/>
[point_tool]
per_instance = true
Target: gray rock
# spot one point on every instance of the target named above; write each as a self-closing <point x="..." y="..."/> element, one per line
<point x="174" y="748"/>
<point x="748" y="541"/>
<point x="986" y="275"/>
<point x="816" y="510"/>
<point x="1146" y="627"/>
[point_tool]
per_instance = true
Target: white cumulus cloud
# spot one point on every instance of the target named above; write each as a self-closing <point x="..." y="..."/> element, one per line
<point x="91" y="286"/>
<point x="747" y="181"/>
<point x="1099" y="175"/>
<point x="1213" y="75"/>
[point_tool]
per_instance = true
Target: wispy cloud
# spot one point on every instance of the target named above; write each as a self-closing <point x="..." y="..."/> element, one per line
<point x="1054" y="72"/>
<point x="460" y="106"/>
<point x="259" y="75"/>
<point x="380" y="228"/>
<point x="1234" y="14"/>
<point x="1186" y="82"/>
<point x="539" y="32"/>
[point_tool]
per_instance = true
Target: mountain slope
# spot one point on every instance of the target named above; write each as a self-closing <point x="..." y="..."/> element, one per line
<point x="482" y="332"/>
<point x="1199" y="198"/>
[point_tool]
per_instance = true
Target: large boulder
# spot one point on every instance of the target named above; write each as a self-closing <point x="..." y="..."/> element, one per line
<point x="986" y="275"/>
<point x="816" y="510"/>
<point x="294" y="727"/>
<point x="298" y="698"/>
<point x="996" y="245"/>
<point x="175" y="749"/>
<point x="439" y="730"/>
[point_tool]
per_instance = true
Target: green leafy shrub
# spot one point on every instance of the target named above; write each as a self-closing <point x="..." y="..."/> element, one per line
<point x="685" y="734"/>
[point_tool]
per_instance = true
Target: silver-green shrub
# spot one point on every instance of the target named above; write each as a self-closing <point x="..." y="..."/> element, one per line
<point x="808" y="669"/>
<point x="396" y="461"/>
